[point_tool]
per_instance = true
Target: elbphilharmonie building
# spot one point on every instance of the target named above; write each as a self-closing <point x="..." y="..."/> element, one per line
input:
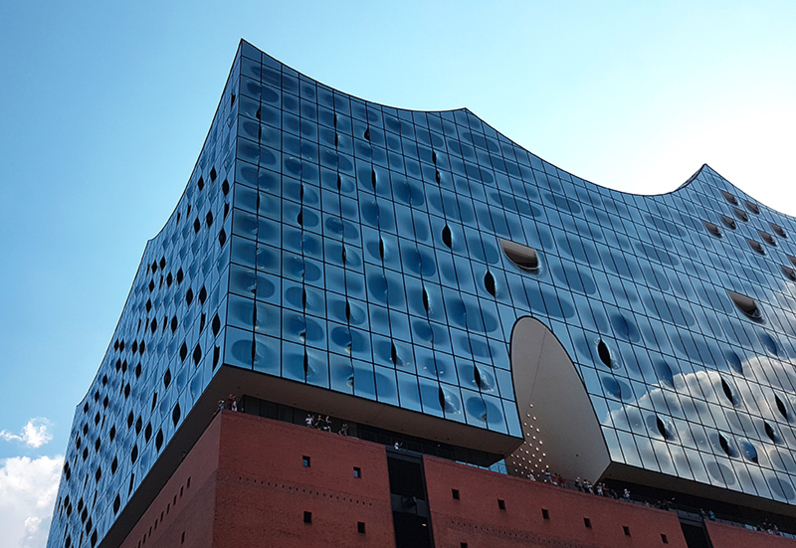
<point x="431" y="286"/>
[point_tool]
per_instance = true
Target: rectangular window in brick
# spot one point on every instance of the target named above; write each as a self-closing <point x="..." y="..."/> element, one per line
<point x="455" y="493"/>
<point x="464" y="545"/>
<point x="357" y="472"/>
<point x="626" y="529"/>
<point x="501" y="504"/>
<point x="307" y="517"/>
<point x="587" y="523"/>
<point x="182" y="539"/>
<point x="664" y="538"/>
<point x="545" y="514"/>
<point x="361" y="527"/>
<point x="305" y="460"/>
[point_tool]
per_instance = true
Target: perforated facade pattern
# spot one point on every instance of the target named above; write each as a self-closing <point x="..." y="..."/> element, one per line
<point x="387" y="254"/>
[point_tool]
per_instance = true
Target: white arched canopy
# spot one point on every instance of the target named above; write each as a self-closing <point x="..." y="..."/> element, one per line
<point x="560" y="429"/>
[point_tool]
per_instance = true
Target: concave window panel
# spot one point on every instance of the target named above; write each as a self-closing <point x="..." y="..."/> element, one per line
<point x="751" y="206"/>
<point x="713" y="229"/>
<point x="755" y="245"/>
<point x="745" y="304"/>
<point x="729" y="221"/>
<point x="729" y="197"/>
<point x="778" y="230"/>
<point x="768" y="238"/>
<point x="523" y="256"/>
<point x="741" y="214"/>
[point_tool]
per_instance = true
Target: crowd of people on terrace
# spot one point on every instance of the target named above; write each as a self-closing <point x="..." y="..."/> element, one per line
<point x="584" y="486"/>
<point x="320" y="423"/>
<point x="231" y="404"/>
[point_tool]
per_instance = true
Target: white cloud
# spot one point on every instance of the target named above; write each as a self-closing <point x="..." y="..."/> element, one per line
<point x="28" y="488"/>
<point x="34" y="434"/>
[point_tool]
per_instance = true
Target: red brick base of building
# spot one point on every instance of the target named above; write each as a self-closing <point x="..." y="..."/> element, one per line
<point x="253" y="482"/>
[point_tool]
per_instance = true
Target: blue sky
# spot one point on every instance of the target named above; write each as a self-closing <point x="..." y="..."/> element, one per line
<point x="104" y="107"/>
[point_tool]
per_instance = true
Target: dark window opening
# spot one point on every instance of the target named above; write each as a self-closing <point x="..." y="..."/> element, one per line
<point x="662" y="428"/>
<point x="713" y="229"/>
<point x="545" y="513"/>
<point x="725" y="387"/>
<point x="305" y="461"/>
<point x="741" y="214"/>
<point x="501" y="504"/>
<point x="447" y="237"/>
<point x="664" y="538"/>
<point x="524" y="257"/>
<point x="746" y="304"/>
<point x="357" y="472"/>
<point x="781" y="407"/>
<point x="729" y="197"/>
<point x="587" y="523"/>
<point x="411" y="531"/>
<point x="175" y="415"/>
<point x="768" y="238"/>
<point x="455" y="494"/>
<point x="755" y="245"/>
<point x="778" y="230"/>
<point x="307" y="517"/>
<point x="406" y="478"/>
<point x="725" y="446"/>
<point x="489" y="283"/>
<point x="752" y="207"/>
<point x="770" y="433"/>
<point x="604" y="353"/>
<point x="626" y="529"/>
<point x="361" y="527"/>
<point x="729" y="221"/>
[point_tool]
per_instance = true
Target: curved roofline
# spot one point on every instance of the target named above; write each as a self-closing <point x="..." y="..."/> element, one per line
<point x="684" y="185"/>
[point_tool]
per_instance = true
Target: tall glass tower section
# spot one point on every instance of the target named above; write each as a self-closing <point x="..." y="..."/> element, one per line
<point x="420" y="273"/>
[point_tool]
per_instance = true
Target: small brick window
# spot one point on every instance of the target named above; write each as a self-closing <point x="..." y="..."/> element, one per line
<point x="626" y="529"/>
<point x="501" y="504"/>
<point x="545" y="514"/>
<point x="307" y="517"/>
<point x="357" y="472"/>
<point x="455" y="494"/>
<point x="361" y="527"/>
<point x="464" y="545"/>
<point x="587" y="523"/>
<point x="182" y="538"/>
<point x="305" y="460"/>
<point x="664" y="538"/>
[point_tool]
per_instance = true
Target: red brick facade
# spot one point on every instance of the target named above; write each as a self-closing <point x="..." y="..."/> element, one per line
<point x="253" y="482"/>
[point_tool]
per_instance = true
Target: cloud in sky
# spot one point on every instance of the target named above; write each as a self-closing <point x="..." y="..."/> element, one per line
<point x="34" y="434"/>
<point x="28" y="488"/>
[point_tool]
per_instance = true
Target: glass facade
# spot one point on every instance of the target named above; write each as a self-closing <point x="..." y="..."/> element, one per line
<point x="372" y="251"/>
